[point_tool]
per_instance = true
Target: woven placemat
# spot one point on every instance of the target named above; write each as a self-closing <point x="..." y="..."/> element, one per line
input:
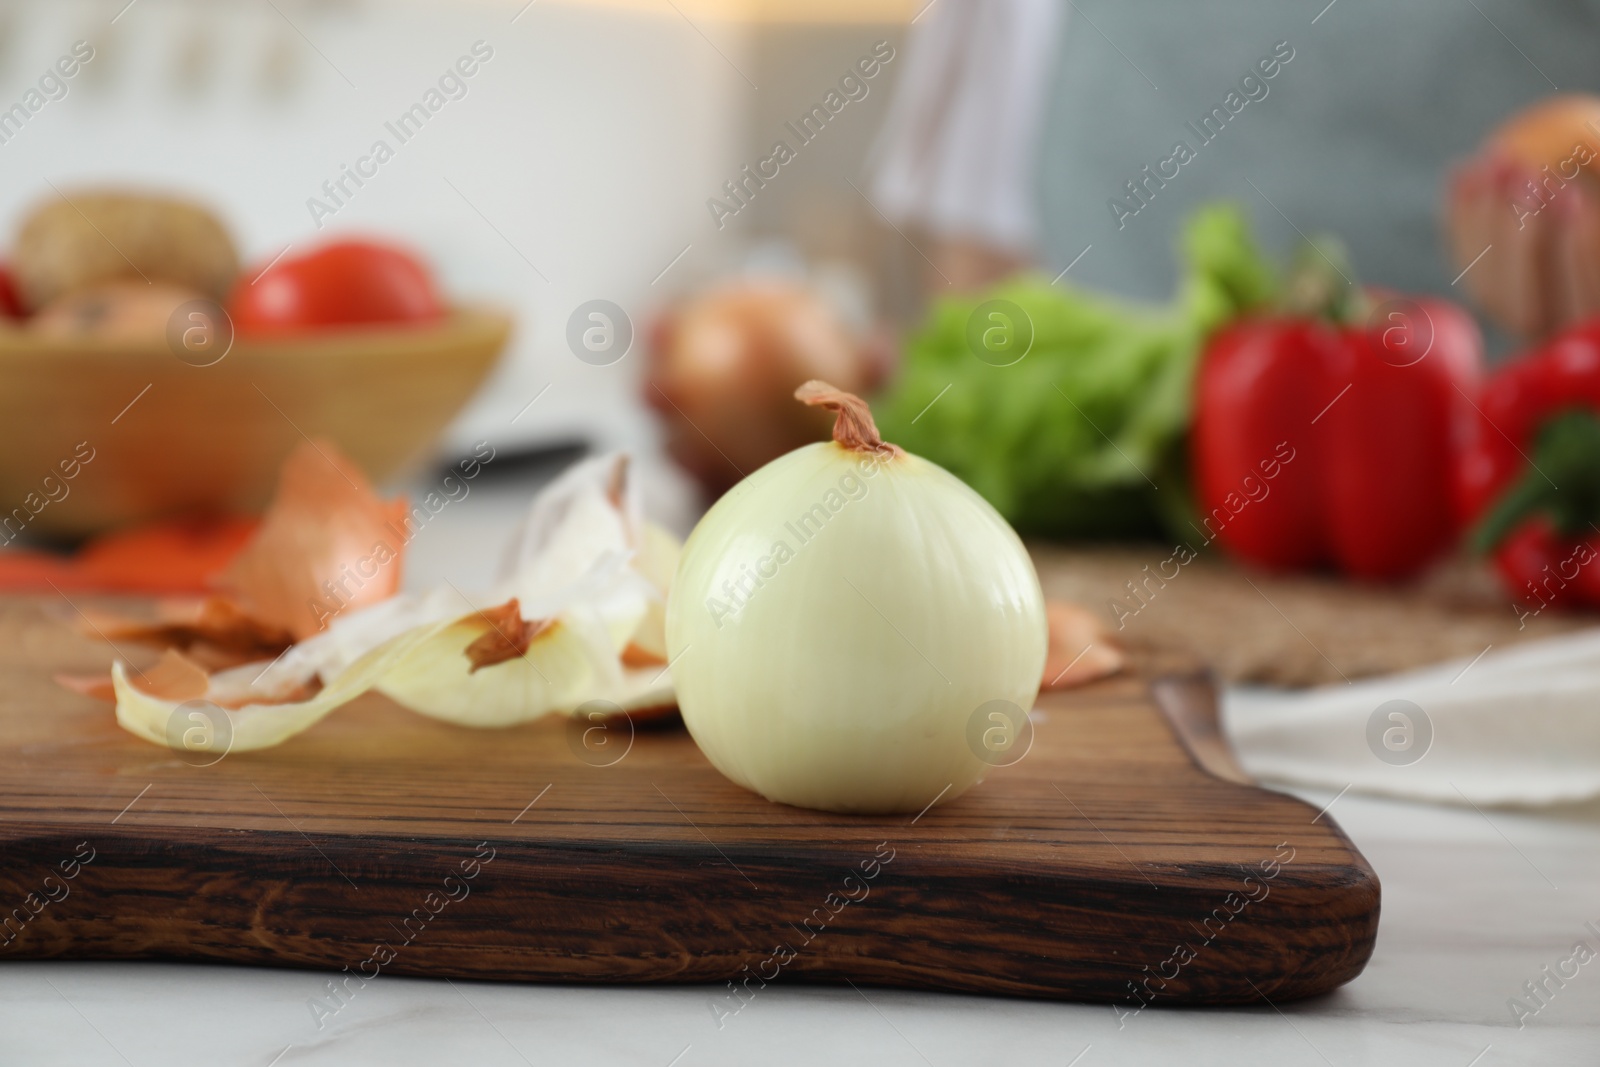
<point x="1296" y="631"/>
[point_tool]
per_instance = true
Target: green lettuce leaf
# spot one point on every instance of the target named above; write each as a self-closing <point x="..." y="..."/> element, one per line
<point x="1082" y="437"/>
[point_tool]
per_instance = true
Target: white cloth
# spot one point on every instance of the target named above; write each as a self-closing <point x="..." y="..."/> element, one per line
<point x="1516" y="727"/>
<point x="958" y="148"/>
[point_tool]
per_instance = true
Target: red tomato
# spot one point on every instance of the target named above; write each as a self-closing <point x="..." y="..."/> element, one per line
<point x="10" y="303"/>
<point x="1547" y="549"/>
<point x="1544" y="569"/>
<point x="343" y="283"/>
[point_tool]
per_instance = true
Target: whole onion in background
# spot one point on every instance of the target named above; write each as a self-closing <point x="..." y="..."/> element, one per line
<point x="1546" y="134"/>
<point x="1532" y="193"/>
<point x="724" y="366"/>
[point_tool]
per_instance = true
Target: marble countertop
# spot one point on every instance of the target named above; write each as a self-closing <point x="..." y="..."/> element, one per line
<point x="1475" y="905"/>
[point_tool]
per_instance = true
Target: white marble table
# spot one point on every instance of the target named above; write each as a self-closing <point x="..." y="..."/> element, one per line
<point x="1474" y="905"/>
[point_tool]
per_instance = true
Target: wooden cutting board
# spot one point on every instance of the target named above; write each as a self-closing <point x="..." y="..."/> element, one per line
<point x="1104" y="865"/>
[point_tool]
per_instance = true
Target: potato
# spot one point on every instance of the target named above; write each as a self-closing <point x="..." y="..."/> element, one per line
<point x="114" y="311"/>
<point x="89" y="237"/>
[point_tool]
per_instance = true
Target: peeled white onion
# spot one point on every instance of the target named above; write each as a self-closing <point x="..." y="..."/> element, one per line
<point x="841" y="618"/>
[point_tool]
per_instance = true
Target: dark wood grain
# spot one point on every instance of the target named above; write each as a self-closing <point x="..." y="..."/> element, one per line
<point x="1075" y="873"/>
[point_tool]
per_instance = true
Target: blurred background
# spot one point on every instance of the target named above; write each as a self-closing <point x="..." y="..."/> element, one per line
<point x="576" y="166"/>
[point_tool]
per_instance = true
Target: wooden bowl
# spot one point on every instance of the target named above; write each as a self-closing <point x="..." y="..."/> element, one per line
<point x="100" y="434"/>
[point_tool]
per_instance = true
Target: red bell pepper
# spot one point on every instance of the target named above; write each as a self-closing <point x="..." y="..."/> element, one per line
<point x="168" y="556"/>
<point x="1529" y="472"/>
<point x="1331" y="440"/>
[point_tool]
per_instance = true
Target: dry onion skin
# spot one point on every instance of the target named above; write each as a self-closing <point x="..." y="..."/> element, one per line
<point x="576" y="618"/>
<point x="582" y="574"/>
<point x="840" y="617"/>
<point x="258" y="716"/>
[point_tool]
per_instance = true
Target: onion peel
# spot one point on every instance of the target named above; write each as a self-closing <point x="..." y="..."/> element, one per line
<point x="575" y="619"/>
<point x="509" y="635"/>
<point x="1080" y="650"/>
<point x="214" y="630"/>
<point x="854" y="427"/>
<point x="267" y="720"/>
<point x="174" y="677"/>
<point x="305" y="563"/>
